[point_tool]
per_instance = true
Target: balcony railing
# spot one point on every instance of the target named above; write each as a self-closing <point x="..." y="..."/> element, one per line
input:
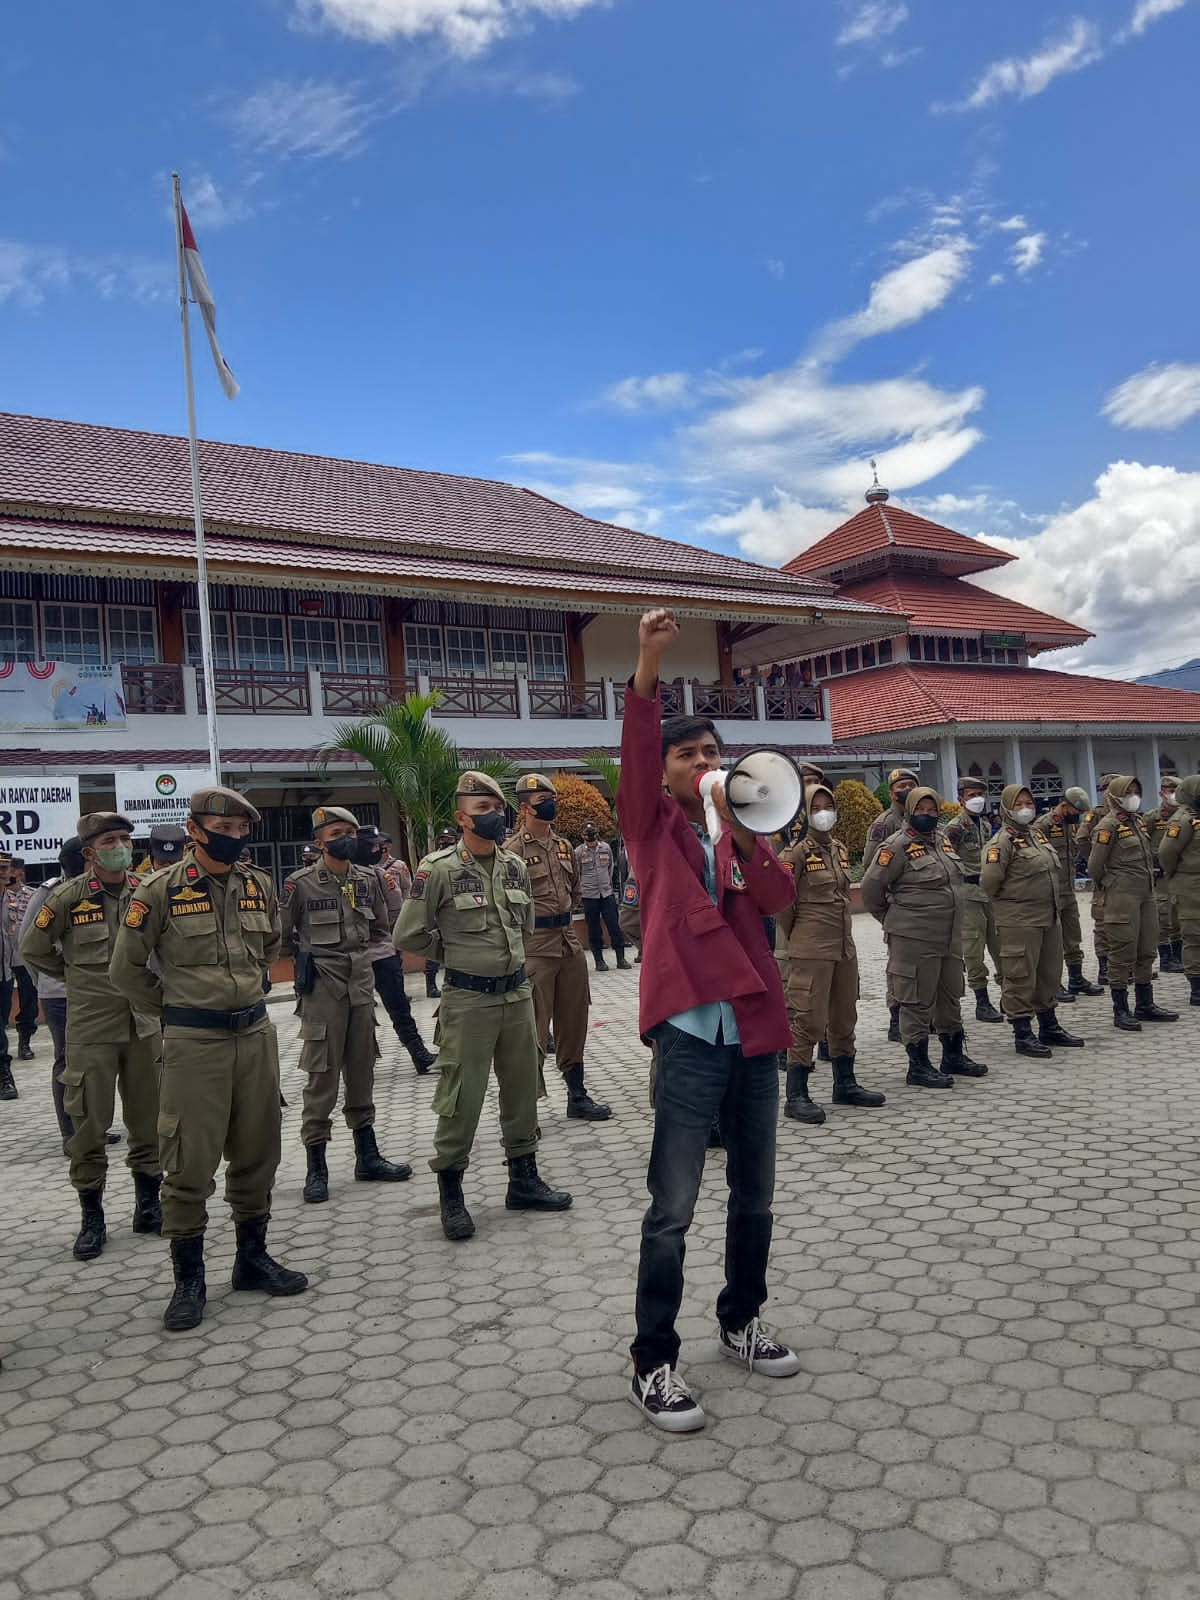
<point x="724" y="700"/>
<point x="153" y="690"/>
<point x="787" y="703"/>
<point x="349" y="694"/>
<point x="672" y="698"/>
<point x="477" y="697"/>
<point x="557" y="699"/>
<point x="254" y="691"/>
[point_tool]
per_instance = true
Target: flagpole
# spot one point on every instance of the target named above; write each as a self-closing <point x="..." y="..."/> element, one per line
<point x="206" y="650"/>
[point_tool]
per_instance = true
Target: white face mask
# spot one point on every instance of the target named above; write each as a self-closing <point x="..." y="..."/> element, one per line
<point x="1024" y="814"/>
<point x="976" y="804"/>
<point x="823" y="820"/>
<point x="1131" y="802"/>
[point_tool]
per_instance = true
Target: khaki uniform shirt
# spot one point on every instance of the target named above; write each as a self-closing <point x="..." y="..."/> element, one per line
<point x="969" y="836"/>
<point x="1022" y="874"/>
<point x="72" y="937"/>
<point x="914" y="887"/>
<point x="1062" y="838"/>
<point x="1179" y="851"/>
<point x="817" y="923"/>
<point x="471" y="913"/>
<point x="554" y="884"/>
<point x="335" y="920"/>
<point x="213" y="938"/>
<point x="892" y="821"/>
<point x="1122" y="857"/>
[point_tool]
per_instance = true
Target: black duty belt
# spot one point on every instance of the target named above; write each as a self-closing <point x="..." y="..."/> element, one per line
<point x="469" y="980"/>
<point x="971" y="877"/>
<point x="562" y="920"/>
<point x="194" y="1017"/>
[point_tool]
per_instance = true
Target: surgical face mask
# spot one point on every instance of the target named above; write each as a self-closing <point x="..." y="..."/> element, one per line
<point x="823" y="820"/>
<point x="343" y="848"/>
<point x="976" y="804"/>
<point x="923" y="822"/>
<point x="223" y="848"/>
<point x="1024" y="815"/>
<point x="1131" y="802"/>
<point x="117" y="858"/>
<point x="546" y="810"/>
<point x="490" y="825"/>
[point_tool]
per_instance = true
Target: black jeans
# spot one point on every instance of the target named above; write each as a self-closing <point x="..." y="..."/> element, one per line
<point x="606" y="908"/>
<point x="27" y="1011"/>
<point x="697" y="1082"/>
<point x="389" y="986"/>
<point x="6" y="989"/>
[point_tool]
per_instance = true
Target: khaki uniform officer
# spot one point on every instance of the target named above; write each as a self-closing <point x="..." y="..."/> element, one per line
<point x="554" y="957"/>
<point x="969" y="833"/>
<point x="1121" y="864"/>
<point x="1083" y="846"/>
<point x="914" y="887"/>
<point x="111" y="1044"/>
<point x="1179" y="855"/>
<point x="901" y="781"/>
<point x="332" y="913"/>
<point x="1058" y="827"/>
<point x="470" y="909"/>
<point x="195" y="948"/>
<point x="1170" y="943"/>
<point x="821" y="983"/>
<point x="1022" y="874"/>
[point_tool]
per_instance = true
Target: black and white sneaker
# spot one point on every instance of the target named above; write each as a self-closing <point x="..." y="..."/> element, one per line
<point x="666" y="1400"/>
<point x="758" y="1348"/>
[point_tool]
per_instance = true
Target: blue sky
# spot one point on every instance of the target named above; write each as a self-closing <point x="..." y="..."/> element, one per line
<point x="683" y="265"/>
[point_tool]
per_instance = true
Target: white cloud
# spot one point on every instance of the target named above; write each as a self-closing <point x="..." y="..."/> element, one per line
<point x="873" y="20"/>
<point x="208" y="208"/>
<point x="1156" y="397"/>
<point x="1015" y="224"/>
<point x="903" y="296"/>
<point x="466" y="27"/>
<point x="1147" y="12"/>
<point x="1028" y="251"/>
<point x="773" y="528"/>
<point x="1025" y="76"/>
<point x="30" y="274"/>
<point x="660" y="391"/>
<point x="776" y="267"/>
<point x="312" y="118"/>
<point x="1125" y="564"/>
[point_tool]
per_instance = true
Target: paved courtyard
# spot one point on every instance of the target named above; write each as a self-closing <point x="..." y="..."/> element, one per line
<point x="994" y="1292"/>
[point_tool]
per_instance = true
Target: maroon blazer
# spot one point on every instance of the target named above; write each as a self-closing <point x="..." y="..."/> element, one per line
<point x="695" y="952"/>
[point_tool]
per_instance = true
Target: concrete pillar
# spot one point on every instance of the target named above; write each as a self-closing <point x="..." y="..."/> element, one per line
<point x="1151" y="787"/>
<point x="948" y="766"/>
<point x="1087" y="778"/>
<point x="610" y="699"/>
<point x="1016" y="769"/>
<point x="523" y="711"/>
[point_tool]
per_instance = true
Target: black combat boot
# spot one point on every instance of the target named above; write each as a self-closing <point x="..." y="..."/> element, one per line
<point x="253" y="1268"/>
<point x="456" y="1219"/>
<point x="1168" y="961"/>
<point x="1064" y="997"/>
<point x="579" y="1102"/>
<point x="922" y="1074"/>
<point x="92" y="1233"/>
<point x="1194" y="984"/>
<point x="409" y="1036"/>
<point x="798" y="1105"/>
<point x="1121" y="1016"/>
<point x="716" y="1139"/>
<point x="24" y="1048"/>
<point x="847" y="1091"/>
<point x="187" y="1303"/>
<point x="527" y="1191"/>
<point x="823" y="1051"/>
<point x="894" y="1025"/>
<point x="147" y="1209"/>
<point x="955" y="1058"/>
<point x="1102" y="974"/>
<point x="985" y="1011"/>
<point x="1024" y="1041"/>
<point x="370" y="1166"/>
<point x="622" y="964"/>
<point x="1051" y="1031"/>
<point x="1145" y="1009"/>
<point x="551" y="1047"/>
<point x="8" y="1089"/>
<point x="1177" y="954"/>
<point x="316" y="1182"/>
<point x="1078" y="984"/>
<point x="598" y="958"/>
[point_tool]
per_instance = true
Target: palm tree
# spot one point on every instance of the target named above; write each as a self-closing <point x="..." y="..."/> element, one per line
<point x="414" y="762"/>
<point x="608" y="769"/>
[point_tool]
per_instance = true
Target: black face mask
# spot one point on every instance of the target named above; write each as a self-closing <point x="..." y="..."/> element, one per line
<point x="923" y="823"/>
<point x="490" y="825"/>
<point x="546" y="810"/>
<point x="344" y="848"/>
<point x="221" y="847"/>
<point x="368" y="852"/>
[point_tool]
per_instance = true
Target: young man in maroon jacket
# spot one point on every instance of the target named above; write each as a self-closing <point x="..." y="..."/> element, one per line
<point x="712" y="1004"/>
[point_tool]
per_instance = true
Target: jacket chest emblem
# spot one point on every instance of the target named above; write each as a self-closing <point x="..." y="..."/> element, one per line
<point x="736" y="877"/>
<point x="85" y="912"/>
<point x="915" y="851"/>
<point x="186" y="901"/>
<point x="814" y="863"/>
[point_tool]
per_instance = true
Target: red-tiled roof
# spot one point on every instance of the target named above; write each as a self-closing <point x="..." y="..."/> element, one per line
<point x="117" y="474"/>
<point x="878" y="529"/>
<point x="891" y="699"/>
<point x="951" y="605"/>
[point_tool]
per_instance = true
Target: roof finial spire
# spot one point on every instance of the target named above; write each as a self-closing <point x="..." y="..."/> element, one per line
<point x="876" y="494"/>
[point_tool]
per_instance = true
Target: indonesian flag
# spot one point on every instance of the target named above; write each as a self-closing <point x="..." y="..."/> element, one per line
<point x="202" y="295"/>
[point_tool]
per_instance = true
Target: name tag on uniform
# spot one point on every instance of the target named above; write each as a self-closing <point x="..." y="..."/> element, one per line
<point x="186" y="902"/>
<point x="914" y="850"/>
<point x="814" y="864"/>
<point x="323" y="905"/>
<point x="85" y="911"/>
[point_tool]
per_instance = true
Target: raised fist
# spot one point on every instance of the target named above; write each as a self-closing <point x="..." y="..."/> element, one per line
<point x="656" y="630"/>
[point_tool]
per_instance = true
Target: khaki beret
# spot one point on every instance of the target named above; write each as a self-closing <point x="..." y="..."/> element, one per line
<point x="1168" y="781"/>
<point x="533" y="783"/>
<point x="324" y="815"/>
<point x="479" y="783"/>
<point x="6" y="859"/>
<point x="968" y="782"/>
<point x="1078" y="799"/>
<point x="219" y="802"/>
<point x="898" y="774"/>
<point x="98" y="822"/>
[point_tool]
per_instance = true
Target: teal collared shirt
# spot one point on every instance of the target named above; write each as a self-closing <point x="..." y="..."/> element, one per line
<point x="715" y="1022"/>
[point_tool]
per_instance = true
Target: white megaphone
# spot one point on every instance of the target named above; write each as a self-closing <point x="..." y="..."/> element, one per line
<point x="764" y="791"/>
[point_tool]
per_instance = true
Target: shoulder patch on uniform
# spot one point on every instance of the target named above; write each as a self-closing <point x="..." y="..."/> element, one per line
<point x="1174" y="831"/>
<point x="993" y="855"/>
<point x="884" y="858"/>
<point x="629" y="894"/>
<point x="1104" y="836"/>
<point x="137" y="913"/>
<point x="417" y="892"/>
<point x="44" y="918"/>
<point x="289" y="889"/>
